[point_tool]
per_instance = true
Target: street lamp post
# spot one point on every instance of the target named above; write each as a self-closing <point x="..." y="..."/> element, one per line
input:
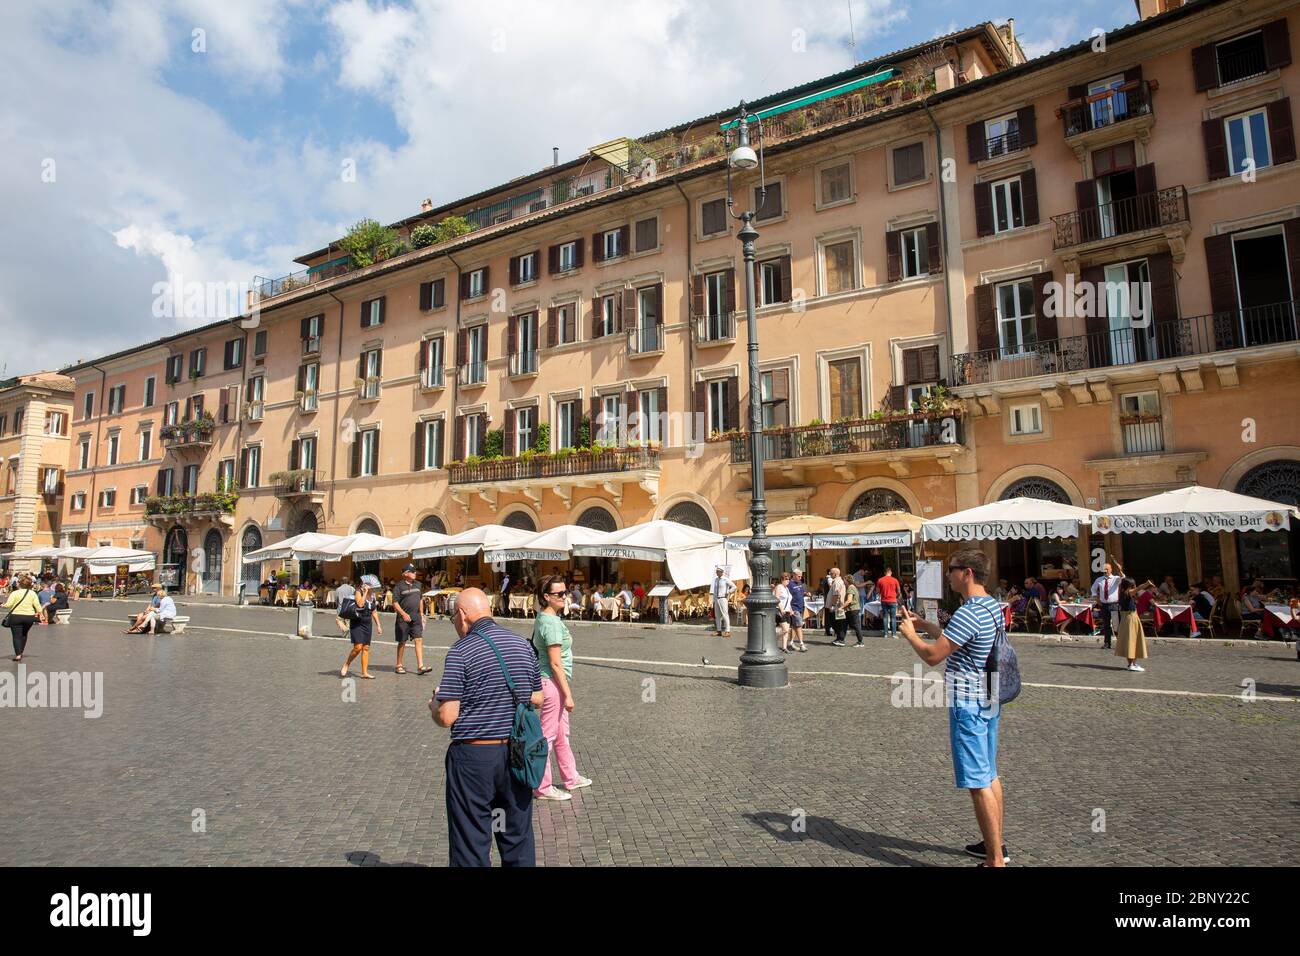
<point x="762" y="664"/>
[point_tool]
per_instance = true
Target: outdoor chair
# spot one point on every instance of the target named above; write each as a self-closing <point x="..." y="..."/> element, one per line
<point x="1249" y="628"/>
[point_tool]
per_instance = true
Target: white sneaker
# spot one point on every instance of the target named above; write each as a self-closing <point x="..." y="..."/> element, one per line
<point x="1136" y="667"/>
<point x="582" y="782"/>
<point x="553" y="793"/>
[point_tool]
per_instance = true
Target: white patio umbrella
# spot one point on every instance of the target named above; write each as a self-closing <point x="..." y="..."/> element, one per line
<point x="401" y="547"/>
<point x="691" y="554"/>
<point x="474" y="540"/>
<point x="35" y="553"/>
<point x="885" y="529"/>
<point x="1014" y="519"/>
<point x="1195" y="508"/>
<point x="352" y="546"/>
<point x="293" y="547"/>
<point x="791" y="533"/>
<point x="105" y="560"/>
<point x="553" y="544"/>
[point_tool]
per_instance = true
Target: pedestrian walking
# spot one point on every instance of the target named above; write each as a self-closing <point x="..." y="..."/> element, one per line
<point x="853" y="610"/>
<point x="966" y="644"/>
<point x="554" y="646"/>
<point x="797" y="609"/>
<point x="836" y="605"/>
<point x="1130" y="642"/>
<point x="24" y="607"/>
<point x="408" y="605"/>
<point x="888" y="587"/>
<point x="721" y="589"/>
<point x="782" y="594"/>
<point x="1106" y="590"/>
<point x="362" y="614"/>
<point x="827" y="614"/>
<point x="474" y="699"/>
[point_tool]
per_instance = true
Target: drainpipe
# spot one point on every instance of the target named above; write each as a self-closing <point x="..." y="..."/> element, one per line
<point x="943" y="224"/>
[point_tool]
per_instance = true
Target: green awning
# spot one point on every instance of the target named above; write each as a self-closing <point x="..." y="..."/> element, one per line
<point x="817" y="97"/>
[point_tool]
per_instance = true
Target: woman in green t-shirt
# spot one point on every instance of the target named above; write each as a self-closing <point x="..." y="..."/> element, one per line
<point x="554" y="646"/>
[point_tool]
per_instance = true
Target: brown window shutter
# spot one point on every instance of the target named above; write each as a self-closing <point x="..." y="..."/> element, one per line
<point x="729" y="291"/>
<point x="464" y="285"/>
<point x="514" y="270"/>
<point x="378" y="460"/>
<point x="487" y="280"/>
<point x="625" y="239"/>
<point x="426" y="296"/>
<point x="1277" y="45"/>
<point x="898" y="398"/>
<point x="417" y="460"/>
<point x="893" y="255"/>
<point x="659" y="302"/>
<point x="365" y="311"/>
<point x="1216" y="149"/>
<point x="1221" y="272"/>
<point x="159" y="486"/>
<point x="439" y="293"/>
<point x="1029" y="196"/>
<point x="379" y="363"/>
<point x="595" y="317"/>
<point x="1164" y="293"/>
<point x="697" y="295"/>
<point x="783" y="264"/>
<point x="630" y="407"/>
<point x="295" y="449"/>
<point x="1291" y="230"/>
<point x="361" y="365"/>
<point x="984" y="209"/>
<point x="512" y="335"/>
<point x="1205" y="67"/>
<point x="1045" y="324"/>
<point x="626" y="318"/>
<point x="462" y="347"/>
<point x="702" y="400"/>
<point x="304" y="328"/>
<point x="355" y="463"/>
<point x="579" y="252"/>
<point x="1146" y="178"/>
<point x="423" y="355"/>
<point x="1281" y="130"/>
<point x="552" y="331"/>
<point x="596" y="414"/>
<point x="733" y="402"/>
<point x="243" y="471"/>
<point x="1028" y="126"/>
<point x="597" y="247"/>
<point x="1085" y="198"/>
<point x="929" y="363"/>
<point x="976" y="143"/>
<point x="1096" y="325"/>
<point x="571" y="321"/>
<point x="934" y="251"/>
<point x="911" y="366"/>
<point x="460" y="438"/>
<point x="552" y="259"/>
<point x="508" y="435"/>
<point x="1076" y="92"/>
<point x="986" y="319"/>
<point x="662" y="401"/>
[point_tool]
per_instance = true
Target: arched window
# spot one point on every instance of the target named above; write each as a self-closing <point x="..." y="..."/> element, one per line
<point x="368" y="526"/>
<point x="1039" y="488"/>
<point x="689" y="514"/>
<point x="433" y="523"/>
<point x="598" y="519"/>
<point x="1270" y="554"/>
<point x="252" y="539"/>
<point x="521" y="520"/>
<point x="305" y="523"/>
<point x="875" y="501"/>
<point x="1273" y="481"/>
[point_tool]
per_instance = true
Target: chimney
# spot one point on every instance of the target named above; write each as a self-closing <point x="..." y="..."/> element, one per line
<point x="426" y="205"/>
<point x="1011" y="36"/>
<point x="555" y="155"/>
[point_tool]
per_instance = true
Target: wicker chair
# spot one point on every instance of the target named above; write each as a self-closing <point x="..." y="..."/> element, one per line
<point x="1252" y="625"/>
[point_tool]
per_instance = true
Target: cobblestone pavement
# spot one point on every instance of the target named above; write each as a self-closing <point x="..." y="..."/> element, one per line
<point x="689" y="768"/>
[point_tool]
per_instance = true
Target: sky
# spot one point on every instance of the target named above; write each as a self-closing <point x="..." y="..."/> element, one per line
<point x="144" y="143"/>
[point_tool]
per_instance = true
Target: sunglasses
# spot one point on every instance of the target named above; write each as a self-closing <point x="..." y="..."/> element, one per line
<point x="958" y="567"/>
<point x="556" y="593"/>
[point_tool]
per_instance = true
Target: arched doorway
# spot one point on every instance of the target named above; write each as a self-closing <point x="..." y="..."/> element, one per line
<point x="305" y="523"/>
<point x="1049" y="559"/>
<point x="689" y="514"/>
<point x="211" y="576"/>
<point x="1270" y="555"/>
<point x="176" y="554"/>
<point x="902" y="560"/>
<point x="251" y="575"/>
<point x="589" y="570"/>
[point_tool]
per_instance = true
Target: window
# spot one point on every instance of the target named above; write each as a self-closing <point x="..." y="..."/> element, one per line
<point x="647" y="234"/>
<point x="1140" y="422"/>
<point x="844" y="380"/>
<point x="108" y="498"/>
<point x="775" y="398"/>
<point x="87" y="406"/>
<point x="770" y="276"/>
<point x="715" y="294"/>
<point x="477" y="283"/>
<point x="83" y="454"/>
<point x="312" y="331"/>
<point x="369" y="452"/>
<point x="916" y="253"/>
<point x="648" y="427"/>
<point x="1002" y="135"/>
<point x="838" y="260"/>
<point x="566" y="424"/>
<point x="909" y="164"/>
<point x="770" y="208"/>
<point x="837" y="184"/>
<point x="226" y="475"/>
<point x="523" y="360"/>
<point x="1241" y="58"/>
<point x="474" y="434"/>
<point x="175" y="368"/>
<point x="566" y="330"/>
<point x="431" y="363"/>
<point x="720" y="400"/>
<point x="432" y="457"/>
<point x="433" y="294"/>
<point x="1026" y="420"/>
<point x="1015" y="305"/>
<point x="371" y="365"/>
<point x="171" y="412"/>
<point x="306" y="453"/>
<point x="190" y="480"/>
<point x="252" y="466"/>
<point x="1008" y="211"/>
<point x="477" y="343"/>
<point x="528" y="267"/>
<point x="608" y="314"/>
<point x="610" y="244"/>
<point x="198" y="362"/>
<point x="116" y="399"/>
<point x="49" y="481"/>
<point x="79" y="501"/>
<point x="256" y="388"/>
<point x="259" y="343"/>
<point x="234" y="354"/>
<point x="149" y="384"/>
<point x="713" y="217"/>
<point x="1248" y="146"/>
<point x="166" y="485"/>
<point x="372" y="313"/>
<point x="19" y="415"/>
<point x="525" y="429"/>
<point x="146" y="444"/>
<point x="612" y="413"/>
<point x="55" y="423"/>
<point x="138" y="494"/>
<point x="568" y="256"/>
<point x="114" y="440"/>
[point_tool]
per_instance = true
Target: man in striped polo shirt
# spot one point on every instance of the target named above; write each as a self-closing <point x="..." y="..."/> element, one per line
<point x="474" y="700"/>
<point x="972" y="716"/>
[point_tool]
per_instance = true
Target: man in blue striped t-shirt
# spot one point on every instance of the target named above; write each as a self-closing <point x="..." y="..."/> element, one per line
<point x="474" y="700"/>
<point x="972" y="716"/>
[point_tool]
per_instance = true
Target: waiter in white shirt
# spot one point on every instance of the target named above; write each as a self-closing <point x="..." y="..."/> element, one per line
<point x="1106" y="590"/>
<point x="722" y="589"/>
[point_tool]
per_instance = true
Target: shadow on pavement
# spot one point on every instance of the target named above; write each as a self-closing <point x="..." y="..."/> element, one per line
<point x="366" y="858"/>
<point x="877" y="846"/>
<point x="1278" y="690"/>
<point x="715" y="678"/>
<point x="1094" y="667"/>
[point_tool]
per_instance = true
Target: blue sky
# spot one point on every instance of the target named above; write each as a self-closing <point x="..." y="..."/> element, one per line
<point x="137" y="150"/>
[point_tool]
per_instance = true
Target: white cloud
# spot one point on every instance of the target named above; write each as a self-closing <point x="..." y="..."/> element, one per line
<point x="1059" y="32"/>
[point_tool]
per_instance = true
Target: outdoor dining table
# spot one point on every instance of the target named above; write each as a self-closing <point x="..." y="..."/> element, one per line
<point x="610" y="604"/>
<point x="1278" y="616"/>
<point x="1162" y="614"/>
<point x="1082" y="613"/>
<point x="521" y="602"/>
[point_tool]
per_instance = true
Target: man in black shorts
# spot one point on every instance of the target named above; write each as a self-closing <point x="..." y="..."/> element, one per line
<point x="408" y="605"/>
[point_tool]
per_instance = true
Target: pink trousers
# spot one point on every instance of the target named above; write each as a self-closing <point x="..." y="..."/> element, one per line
<point x="555" y="728"/>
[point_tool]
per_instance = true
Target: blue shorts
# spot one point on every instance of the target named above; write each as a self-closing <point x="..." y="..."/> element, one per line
<point x="973" y="731"/>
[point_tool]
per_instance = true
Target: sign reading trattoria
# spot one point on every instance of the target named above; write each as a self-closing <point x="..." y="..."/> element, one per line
<point x="1238" y="521"/>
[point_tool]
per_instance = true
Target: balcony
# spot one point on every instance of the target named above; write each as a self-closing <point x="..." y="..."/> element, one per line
<point x="646" y="340"/>
<point x="299" y="483"/>
<point x="193" y="434"/>
<point x="610" y="470"/>
<point x="1099" y="225"/>
<point x="253" y="411"/>
<point x="1132" y="101"/>
<point x="715" y="329"/>
<point x="311" y="345"/>
<point x="367" y="389"/>
<point x="523" y="363"/>
<point x="472" y="373"/>
<point x="211" y="506"/>
<point x="1242" y="60"/>
<point x="431" y="377"/>
<point x="1143" y="434"/>
<point x="1178" y="338"/>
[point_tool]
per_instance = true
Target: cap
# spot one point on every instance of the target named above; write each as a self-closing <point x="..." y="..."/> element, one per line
<point x="409" y="567"/>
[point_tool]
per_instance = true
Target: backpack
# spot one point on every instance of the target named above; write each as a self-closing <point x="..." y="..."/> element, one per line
<point x="529" y="749"/>
<point x="1003" y="663"/>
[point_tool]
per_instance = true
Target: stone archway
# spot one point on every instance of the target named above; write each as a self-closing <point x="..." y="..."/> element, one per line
<point x="874" y="501"/>
<point x="1042" y="489"/>
<point x="689" y="514"/>
<point x="433" y="524"/>
<point x="1270" y="554"/>
<point x="597" y="518"/>
<point x="523" y="520"/>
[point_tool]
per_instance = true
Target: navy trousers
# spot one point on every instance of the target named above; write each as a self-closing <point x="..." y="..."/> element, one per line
<point x="484" y="800"/>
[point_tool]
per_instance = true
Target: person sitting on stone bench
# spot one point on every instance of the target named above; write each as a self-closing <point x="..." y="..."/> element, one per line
<point x="155" y="619"/>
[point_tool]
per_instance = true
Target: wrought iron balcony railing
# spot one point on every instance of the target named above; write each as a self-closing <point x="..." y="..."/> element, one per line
<point x="1164" y="207"/>
<point x="472" y="373"/>
<point x="715" y="328"/>
<point x="1192" y="335"/>
<point x="210" y="502"/>
<point x="1143" y="434"/>
<point x="554" y="466"/>
<point x="922" y="430"/>
<point x="298" y="482"/>
<point x="1107" y="108"/>
<point x="524" y="363"/>
<point x="646" y="339"/>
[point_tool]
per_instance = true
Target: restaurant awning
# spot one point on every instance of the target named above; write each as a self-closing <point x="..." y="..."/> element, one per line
<point x="691" y="554"/>
<point x="402" y="547"/>
<point x="1194" y="508"/>
<point x="293" y="547"/>
<point x="791" y="533"/>
<point x="887" y="529"/>
<point x="1014" y="519"/>
<point x="553" y="544"/>
<point x="474" y="540"/>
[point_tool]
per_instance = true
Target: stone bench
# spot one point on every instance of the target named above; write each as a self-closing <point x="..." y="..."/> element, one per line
<point x="63" y="617"/>
<point x="174" y="626"/>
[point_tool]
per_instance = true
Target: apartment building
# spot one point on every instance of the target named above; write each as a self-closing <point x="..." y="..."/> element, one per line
<point x="924" y="216"/>
<point x="34" y="413"/>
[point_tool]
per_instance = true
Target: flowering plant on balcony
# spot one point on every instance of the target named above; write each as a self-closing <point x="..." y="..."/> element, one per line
<point x="201" y="427"/>
<point x="297" y="479"/>
<point x="208" y="502"/>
